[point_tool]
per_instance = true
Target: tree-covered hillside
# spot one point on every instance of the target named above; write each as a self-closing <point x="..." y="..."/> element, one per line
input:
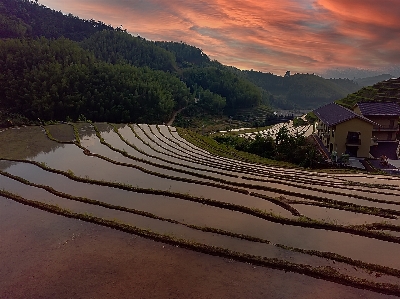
<point x="57" y="79"/>
<point x="239" y="93"/>
<point x="121" y="47"/>
<point x="302" y="91"/>
<point x="187" y="55"/>
<point x="24" y="18"/>
<point x="385" y="91"/>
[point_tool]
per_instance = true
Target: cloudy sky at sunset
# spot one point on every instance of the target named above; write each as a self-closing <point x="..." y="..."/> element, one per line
<point x="269" y="36"/>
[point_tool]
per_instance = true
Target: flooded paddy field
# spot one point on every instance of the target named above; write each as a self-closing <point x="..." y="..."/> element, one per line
<point x="339" y="232"/>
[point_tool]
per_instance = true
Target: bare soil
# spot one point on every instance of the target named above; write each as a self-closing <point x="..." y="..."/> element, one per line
<point x="48" y="256"/>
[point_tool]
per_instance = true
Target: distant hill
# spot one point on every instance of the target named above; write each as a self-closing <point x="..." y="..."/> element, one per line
<point x="362" y="82"/>
<point x="23" y="18"/>
<point x="302" y="91"/>
<point x="385" y="91"/>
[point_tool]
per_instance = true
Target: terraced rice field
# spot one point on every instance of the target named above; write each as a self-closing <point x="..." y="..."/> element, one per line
<point x="149" y="181"/>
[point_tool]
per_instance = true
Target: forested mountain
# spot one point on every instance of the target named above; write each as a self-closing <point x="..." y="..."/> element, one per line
<point x="57" y="79"/>
<point x="121" y="47"/>
<point x="240" y="93"/>
<point x="56" y="66"/>
<point x="304" y="91"/>
<point x="23" y="18"/>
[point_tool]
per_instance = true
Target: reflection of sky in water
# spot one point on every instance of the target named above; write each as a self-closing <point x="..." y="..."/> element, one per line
<point x="353" y="246"/>
<point x="39" y="236"/>
<point x="25" y="142"/>
<point x="336" y="216"/>
<point x="70" y="157"/>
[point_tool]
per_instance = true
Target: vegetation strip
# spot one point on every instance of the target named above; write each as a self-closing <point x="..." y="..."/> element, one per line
<point x="192" y="157"/>
<point x="301" y="221"/>
<point x="205" y="157"/>
<point x="269" y="173"/>
<point x="251" y="169"/>
<point x="332" y="203"/>
<point x="133" y="211"/>
<point x="327" y="255"/>
<point x="246" y="169"/>
<point x="325" y="191"/>
<point x="388" y="213"/>
<point x="102" y="141"/>
<point x="343" y="207"/>
<point x="54" y="139"/>
<point x="165" y="160"/>
<point x="187" y="134"/>
<point x="326" y="273"/>
<point x="326" y="202"/>
<point x="254" y="158"/>
<point x="166" y="176"/>
<point x="76" y="133"/>
<point x="330" y="191"/>
<point x="205" y="161"/>
<point x="232" y="154"/>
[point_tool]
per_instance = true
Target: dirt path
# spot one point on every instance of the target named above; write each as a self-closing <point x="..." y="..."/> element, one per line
<point x="170" y="122"/>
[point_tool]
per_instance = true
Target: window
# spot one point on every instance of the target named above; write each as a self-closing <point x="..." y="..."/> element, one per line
<point x="353" y="138"/>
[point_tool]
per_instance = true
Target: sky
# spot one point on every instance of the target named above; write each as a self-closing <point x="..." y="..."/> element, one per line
<point x="302" y="36"/>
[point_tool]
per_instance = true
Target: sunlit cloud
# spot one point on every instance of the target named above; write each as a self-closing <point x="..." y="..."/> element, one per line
<point x="271" y="36"/>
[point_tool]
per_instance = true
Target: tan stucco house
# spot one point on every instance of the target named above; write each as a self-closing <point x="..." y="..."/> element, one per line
<point x="344" y="131"/>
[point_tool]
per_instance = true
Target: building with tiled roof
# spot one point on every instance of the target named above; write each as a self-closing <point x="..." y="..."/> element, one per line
<point x="371" y="109"/>
<point x="386" y="116"/>
<point x="344" y="131"/>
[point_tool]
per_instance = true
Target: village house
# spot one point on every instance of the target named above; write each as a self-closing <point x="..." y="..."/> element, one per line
<point x="386" y="116"/>
<point x="343" y="131"/>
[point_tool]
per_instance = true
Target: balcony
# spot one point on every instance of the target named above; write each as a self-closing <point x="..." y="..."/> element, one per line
<point x="353" y="142"/>
<point x="393" y="128"/>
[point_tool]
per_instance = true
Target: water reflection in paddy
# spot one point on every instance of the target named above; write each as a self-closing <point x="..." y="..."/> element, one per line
<point x="127" y="133"/>
<point x="162" y="227"/>
<point x="345" y="244"/>
<point x="176" y="230"/>
<point x="336" y="216"/>
<point x="70" y="157"/>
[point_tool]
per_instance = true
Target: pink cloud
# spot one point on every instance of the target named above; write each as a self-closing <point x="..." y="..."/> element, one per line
<point x="272" y="36"/>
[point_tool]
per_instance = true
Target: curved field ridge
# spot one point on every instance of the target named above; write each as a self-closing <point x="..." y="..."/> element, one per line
<point x="186" y="190"/>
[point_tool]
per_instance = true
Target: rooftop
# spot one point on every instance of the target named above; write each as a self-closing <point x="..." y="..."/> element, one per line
<point x="379" y="108"/>
<point x="333" y="114"/>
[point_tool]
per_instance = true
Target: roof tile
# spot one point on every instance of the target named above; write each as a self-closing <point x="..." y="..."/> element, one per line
<point x="379" y="108"/>
<point x="333" y="114"/>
